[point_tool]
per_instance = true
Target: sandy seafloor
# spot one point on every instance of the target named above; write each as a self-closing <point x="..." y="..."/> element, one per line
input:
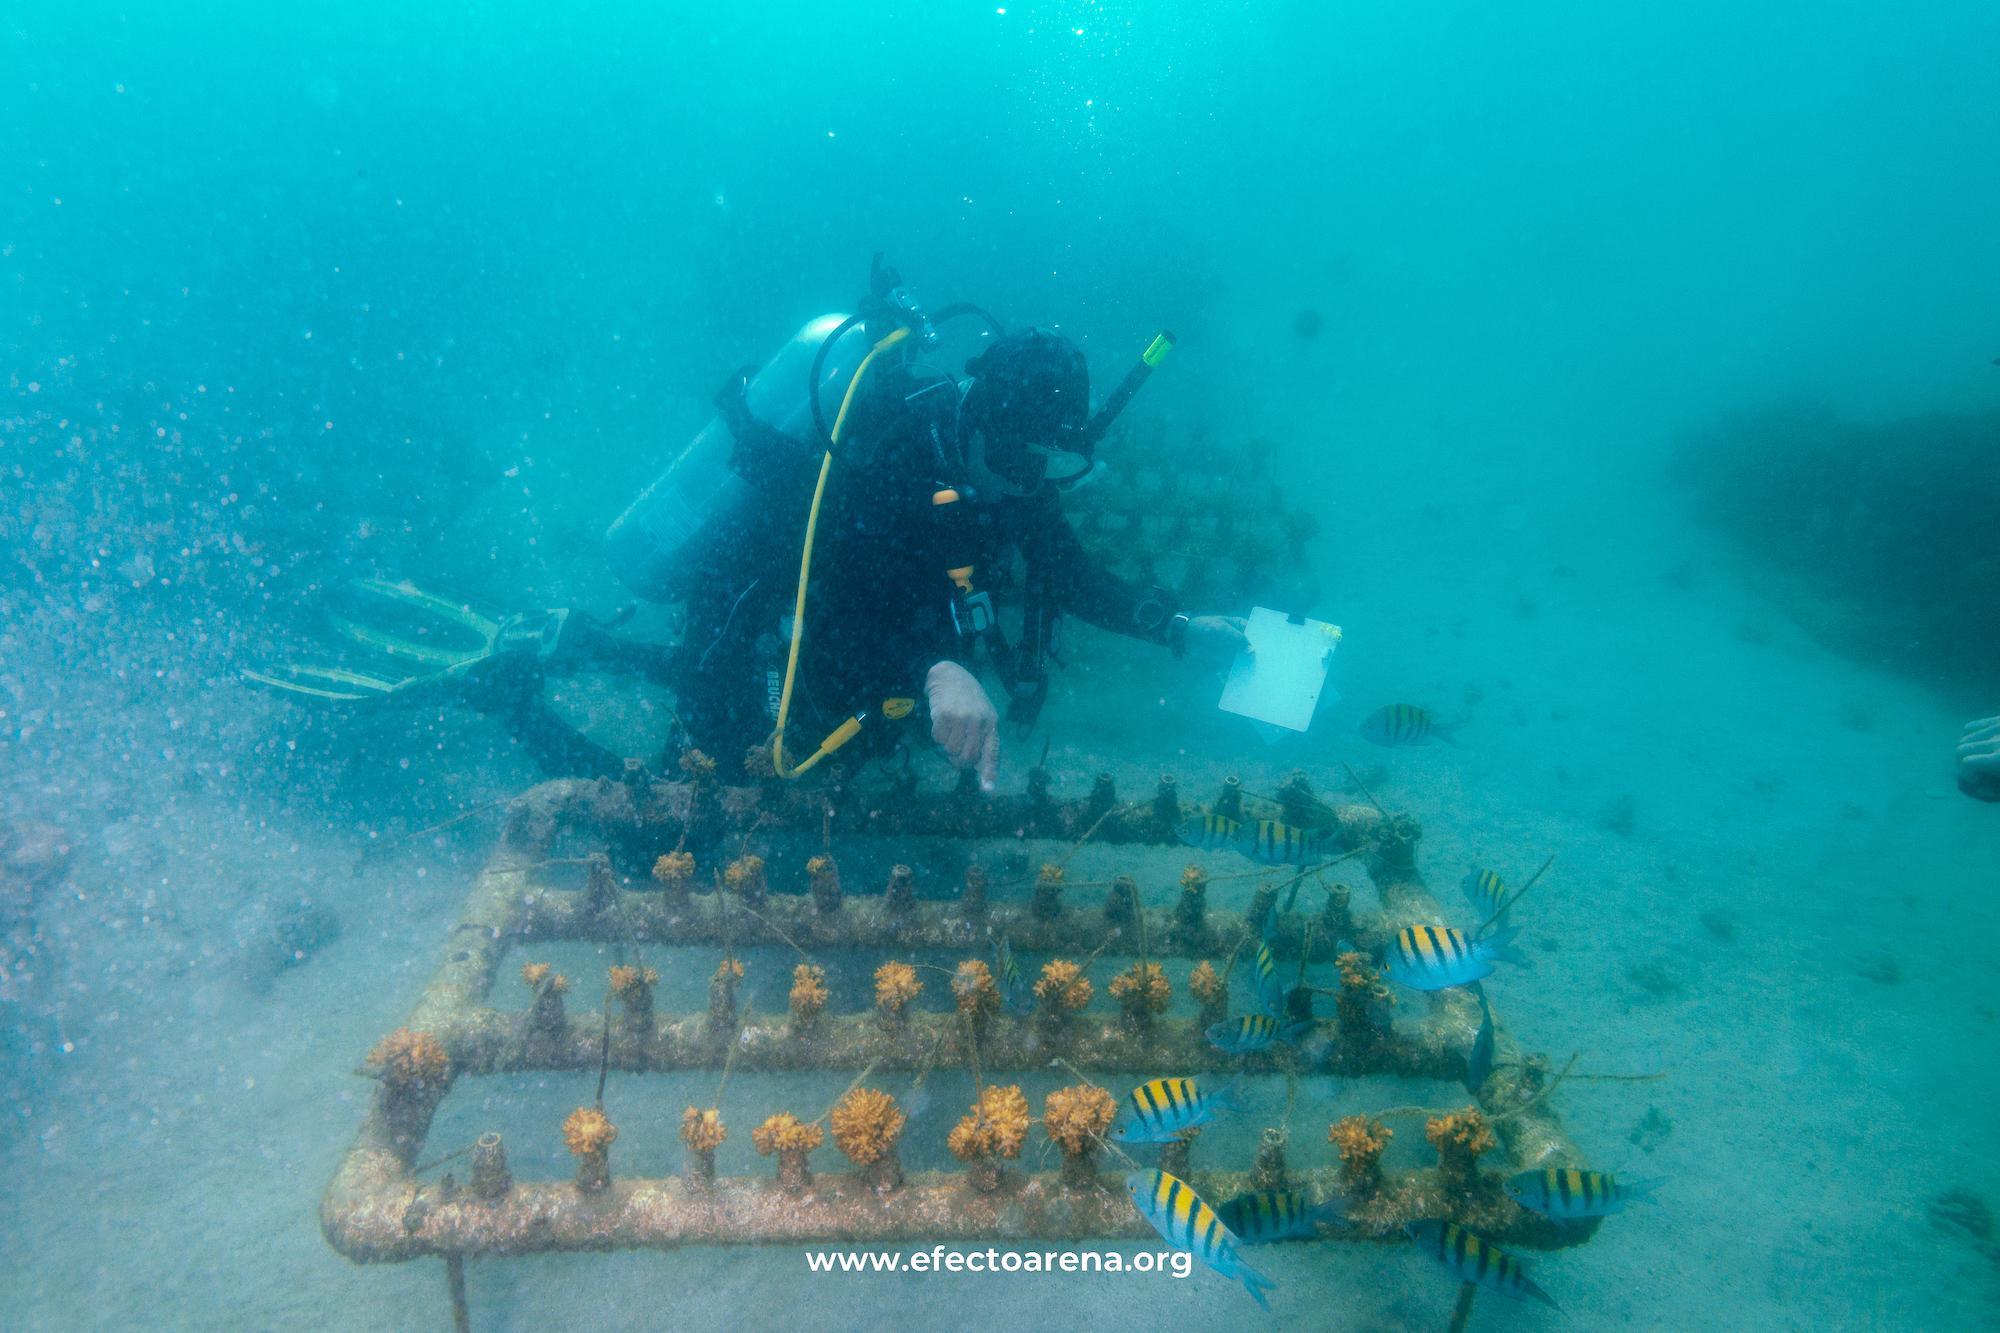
<point x="166" y="1171"/>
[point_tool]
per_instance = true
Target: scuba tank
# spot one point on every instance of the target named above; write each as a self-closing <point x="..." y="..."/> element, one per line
<point x="715" y="495"/>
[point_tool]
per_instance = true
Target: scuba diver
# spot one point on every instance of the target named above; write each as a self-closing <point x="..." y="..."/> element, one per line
<point x="835" y="537"/>
<point x="915" y="486"/>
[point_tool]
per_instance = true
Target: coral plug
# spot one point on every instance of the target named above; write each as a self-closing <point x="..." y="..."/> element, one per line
<point x="896" y="985"/>
<point x="1144" y="992"/>
<point x="589" y="1135"/>
<point x="634" y="988"/>
<point x="808" y="997"/>
<point x="791" y="1139"/>
<point x="1207" y="988"/>
<point x="702" y="1132"/>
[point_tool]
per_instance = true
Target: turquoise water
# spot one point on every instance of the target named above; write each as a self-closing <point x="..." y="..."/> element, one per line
<point x="431" y="292"/>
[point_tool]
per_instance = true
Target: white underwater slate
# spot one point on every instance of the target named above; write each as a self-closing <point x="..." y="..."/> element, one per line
<point x="1280" y="678"/>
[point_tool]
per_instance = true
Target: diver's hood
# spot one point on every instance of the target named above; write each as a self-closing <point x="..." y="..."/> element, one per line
<point x="1022" y="422"/>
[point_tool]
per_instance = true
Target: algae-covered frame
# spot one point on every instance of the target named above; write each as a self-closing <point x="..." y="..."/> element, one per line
<point x="379" y="1209"/>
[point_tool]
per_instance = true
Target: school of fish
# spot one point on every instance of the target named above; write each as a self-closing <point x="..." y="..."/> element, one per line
<point x="1423" y="957"/>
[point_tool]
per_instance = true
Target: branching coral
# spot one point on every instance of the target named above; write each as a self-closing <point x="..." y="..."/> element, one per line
<point x="1077" y="1117"/>
<point x="809" y="991"/>
<point x="745" y="875"/>
<point x="791" y="1139"/>
<point x="896" y="985"/>
<point x="785" y="1132"/>
<point x="588" y="1132"/>
<point x="631" y="983"/>
<point x="867" y="1125"/>
<point x="1062" y="987"/>
<point x="411" y="1061"/>
<point x="972" y="986"/>
<point x="1142" y="988"/>
<point x="697" y="765"/>
<point x="702" y="1130"/>
<point x="1460" y="1137"/>
<point x="634" y="987"/>
<point x="1192" y="910"/>
<point x="1361" y="1142"/>
<point x="757" y="762"/>
<point x="549" y="986"/>
<point x="825" y="877"/>
<point x="674" y="870"/>
<point x="722" y="995"/>
<point x="1046" y="904"/>
<point x="1204" y="984"/>
<point x="1360" y="975"/>
<point x="995" y="1127"/>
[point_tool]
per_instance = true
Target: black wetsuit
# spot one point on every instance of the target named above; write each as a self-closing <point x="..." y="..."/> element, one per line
<point x="879" y="603"/>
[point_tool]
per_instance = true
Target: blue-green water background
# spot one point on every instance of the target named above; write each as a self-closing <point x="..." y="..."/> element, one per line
<point x="287" y="295"/>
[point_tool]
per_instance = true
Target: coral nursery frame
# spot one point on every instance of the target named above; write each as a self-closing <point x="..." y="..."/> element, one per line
<point x="378" y="1209"/>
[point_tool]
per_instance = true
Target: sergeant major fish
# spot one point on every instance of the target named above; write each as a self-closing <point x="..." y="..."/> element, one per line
<point x="1267" y="1216"/>
<point x="1479" y="1060"/>
<point x="1485" y="891"/>
<point x="1210" y="831"/>
<point x="1165" y="1107"/>
<point x="1569" y="1195"/>
<point x="1475" y="1260"/>
<point x="1431" y="958"/>
<point x="1270" y="989"/>
<point x="1399" y="725"/>
<point x="1253" y="1032"/>
<point x="1186" y="1223"/>
<point x="1015" y="991"/>
<point x="1277" y="843"/>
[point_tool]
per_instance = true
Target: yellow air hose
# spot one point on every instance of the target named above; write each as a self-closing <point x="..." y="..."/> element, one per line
<point x="847" y="730"/>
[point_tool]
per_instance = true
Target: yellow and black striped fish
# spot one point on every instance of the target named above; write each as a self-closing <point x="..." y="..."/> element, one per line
<point x="1266" y="1216"/>
<point x="1253" y="1032"/>
<point x="1485" y="890"/>
<point x="1165" y="1107"/>
<point x="1475" y="1259"/>
<point x="1438" y="957"/>
<point x="1277" y="843"/>
<point x="1209" y="831"/>
<point x="1397" y="725"/>
<point x="1270" y="989"/>
<point x="1186" y="1223"/>
<point x="1568" y="1194"/>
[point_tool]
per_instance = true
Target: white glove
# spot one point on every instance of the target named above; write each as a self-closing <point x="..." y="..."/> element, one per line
<point x="964" y="722"/>
<point x="1216" y="636"/>
<point x="1979" y="751"/>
